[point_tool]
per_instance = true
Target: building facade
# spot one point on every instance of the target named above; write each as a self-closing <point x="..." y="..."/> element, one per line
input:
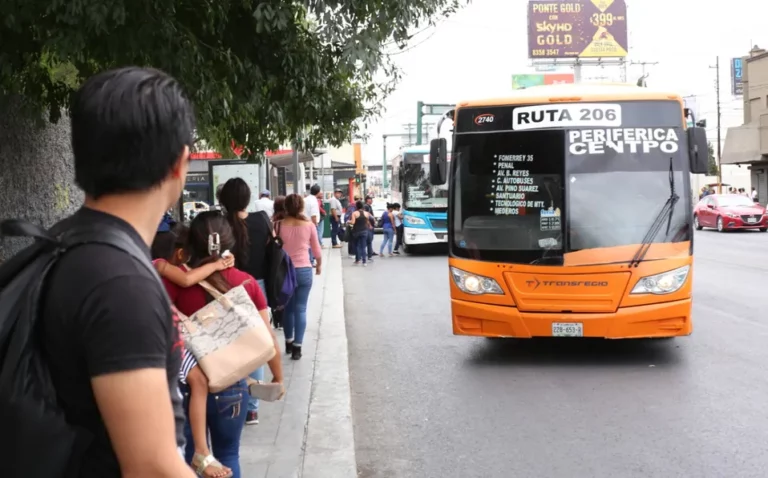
<point x="748" y="144"/>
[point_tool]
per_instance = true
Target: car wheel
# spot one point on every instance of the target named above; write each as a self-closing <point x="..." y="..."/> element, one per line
<point x="720" y="225"/>
<point x="696" y="224"/>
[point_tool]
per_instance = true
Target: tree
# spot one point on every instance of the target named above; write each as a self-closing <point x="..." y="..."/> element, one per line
<point x="261" y="73"/>
<point x="712" y="169"/>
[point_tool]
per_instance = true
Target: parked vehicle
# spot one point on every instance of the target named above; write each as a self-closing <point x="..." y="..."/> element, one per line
<point x="726" y="212"/>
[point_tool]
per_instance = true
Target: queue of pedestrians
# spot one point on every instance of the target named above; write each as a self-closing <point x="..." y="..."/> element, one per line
<point x="361" y="224"/>
<point x="144" y="353"/>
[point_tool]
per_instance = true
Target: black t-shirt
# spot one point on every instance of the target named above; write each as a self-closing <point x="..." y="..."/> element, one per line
<point x="259" y="229"/>
<point x="103" y="312"/>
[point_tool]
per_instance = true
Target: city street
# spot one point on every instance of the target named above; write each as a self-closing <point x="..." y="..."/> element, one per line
<point x="428" y="404"/>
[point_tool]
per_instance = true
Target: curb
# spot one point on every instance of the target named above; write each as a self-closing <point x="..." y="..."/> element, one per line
<point x="329" y="438"/>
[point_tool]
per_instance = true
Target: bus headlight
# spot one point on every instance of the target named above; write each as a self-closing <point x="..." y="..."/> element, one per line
<point x="664" y="283"/>
<point x="475" y="284"/>
<point x="413" y="220"/>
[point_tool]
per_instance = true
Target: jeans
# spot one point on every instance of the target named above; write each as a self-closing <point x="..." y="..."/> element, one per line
<point x="320" y="231"/>
<point x="295" y="317"/>
<point x="399" y="234"/>
<point x="258" y="374"/>
<point x="370" y="243"/>
<point x="389" y="235"/>
<point x="335" y="231"/>
<point x="225" y="418"/>
<point x="360" y="241"/>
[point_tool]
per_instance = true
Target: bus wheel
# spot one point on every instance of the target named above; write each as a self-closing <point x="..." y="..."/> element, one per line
<point x="720" y="226"/>
<point x="696" y="223"/>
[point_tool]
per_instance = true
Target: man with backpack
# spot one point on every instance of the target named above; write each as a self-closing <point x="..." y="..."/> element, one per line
<point x="107" y="362"/>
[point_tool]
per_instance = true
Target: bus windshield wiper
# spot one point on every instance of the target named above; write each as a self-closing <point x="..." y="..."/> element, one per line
<point x="668" y="211"/>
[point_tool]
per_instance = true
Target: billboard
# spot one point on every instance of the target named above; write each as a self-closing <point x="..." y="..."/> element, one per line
<point x="525" y="81"/>
<point x="737" y="85"/>
<point x="577" y="29"/>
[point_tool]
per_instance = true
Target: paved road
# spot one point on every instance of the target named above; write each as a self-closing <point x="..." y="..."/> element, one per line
<point x="428" y="404"/>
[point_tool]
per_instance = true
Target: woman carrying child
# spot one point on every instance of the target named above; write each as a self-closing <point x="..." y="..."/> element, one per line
<point x="222" y="414"/>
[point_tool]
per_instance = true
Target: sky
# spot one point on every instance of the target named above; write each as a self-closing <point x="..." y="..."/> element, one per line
<point x="474" y="53"/>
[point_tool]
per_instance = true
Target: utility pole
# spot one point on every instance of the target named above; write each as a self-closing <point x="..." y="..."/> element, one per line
<point x="717" y="93"/>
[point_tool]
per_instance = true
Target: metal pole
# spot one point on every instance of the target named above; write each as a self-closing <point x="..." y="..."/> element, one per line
<point x="322" y="172"/>
<point x="717" y="93"/>
<point x="419" y="114"/>
<point x="296" y="167"/>
<point x="577" y="71"/>
<point x="384" y="181"/>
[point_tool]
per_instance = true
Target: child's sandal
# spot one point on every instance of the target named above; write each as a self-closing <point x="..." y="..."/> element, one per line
<point x="200" y="463"/>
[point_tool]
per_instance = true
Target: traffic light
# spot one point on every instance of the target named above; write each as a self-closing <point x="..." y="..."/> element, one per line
<point x="363" y="178"/>
<point x="357" y="178"/>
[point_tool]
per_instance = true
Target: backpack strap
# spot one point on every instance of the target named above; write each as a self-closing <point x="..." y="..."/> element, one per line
<point x="116" y="238"/>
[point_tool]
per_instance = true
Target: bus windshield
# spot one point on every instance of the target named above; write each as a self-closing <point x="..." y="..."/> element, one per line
<point x="532" y="196"/>
<point x="418" y="193"/>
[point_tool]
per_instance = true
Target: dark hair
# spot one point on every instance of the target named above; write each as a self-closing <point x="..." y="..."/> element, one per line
<point x="294" y="206"/>
<point x="218" y="193"/>
<point x="390" y="206"/>
<point x="314" y="190"/>
<point x="167" y="243"/>
<point x="163" y="245"/>
<point x="235" y="197"/>
<point x="279" y="206"/>
<point x="203" y="225"/>
<point x="396" y="205"/>
<point x="129" y="127"/>
<point x="359" y="205"/>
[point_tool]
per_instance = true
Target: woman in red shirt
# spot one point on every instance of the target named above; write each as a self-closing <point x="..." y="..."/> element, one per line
<point x="227" y="409"/>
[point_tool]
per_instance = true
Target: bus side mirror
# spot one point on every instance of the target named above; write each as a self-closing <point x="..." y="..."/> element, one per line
<point x="698" y="153"/>
<point x="438" y="162"/>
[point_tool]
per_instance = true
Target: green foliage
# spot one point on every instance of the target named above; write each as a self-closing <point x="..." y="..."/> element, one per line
<point x="260" y="73"/>
<point x="712" y="169"/>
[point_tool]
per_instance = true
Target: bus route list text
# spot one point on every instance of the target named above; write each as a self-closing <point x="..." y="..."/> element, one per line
<point x="511" y="185"/>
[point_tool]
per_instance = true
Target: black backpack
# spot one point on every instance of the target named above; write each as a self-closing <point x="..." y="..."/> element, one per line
<point x="36" y="439"/>
<point x="281" y="275"/>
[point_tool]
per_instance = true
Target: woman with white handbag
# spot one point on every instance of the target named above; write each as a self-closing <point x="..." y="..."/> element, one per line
<point x="226" y="328"/>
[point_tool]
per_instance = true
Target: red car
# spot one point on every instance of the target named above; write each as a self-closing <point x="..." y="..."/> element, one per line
<point x="727" y="212"/>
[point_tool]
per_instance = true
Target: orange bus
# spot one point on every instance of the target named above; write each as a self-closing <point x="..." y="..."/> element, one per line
<point x="570" y="212"/>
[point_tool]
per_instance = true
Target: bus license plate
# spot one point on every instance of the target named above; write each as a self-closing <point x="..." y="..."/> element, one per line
<point x="751" y="219"/>
<point x="567" y="329"/>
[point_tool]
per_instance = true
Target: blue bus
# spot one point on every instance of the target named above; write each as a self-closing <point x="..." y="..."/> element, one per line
<point x="425" y="207"/>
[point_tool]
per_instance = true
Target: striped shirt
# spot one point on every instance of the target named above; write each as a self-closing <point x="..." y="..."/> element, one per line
<point x="188" y="362"/>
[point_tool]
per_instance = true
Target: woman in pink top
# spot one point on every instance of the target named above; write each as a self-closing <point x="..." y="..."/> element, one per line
<point x="298" y="236"/>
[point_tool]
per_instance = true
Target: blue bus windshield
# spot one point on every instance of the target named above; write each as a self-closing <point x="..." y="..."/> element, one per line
<point x="418" y="193"/>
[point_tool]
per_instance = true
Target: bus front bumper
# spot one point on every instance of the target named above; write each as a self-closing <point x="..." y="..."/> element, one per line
<point x="668" y="319"/>
<point x="414" y="236"/>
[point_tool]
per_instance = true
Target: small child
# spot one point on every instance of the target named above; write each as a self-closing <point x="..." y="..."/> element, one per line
<point x="167" y="255"/>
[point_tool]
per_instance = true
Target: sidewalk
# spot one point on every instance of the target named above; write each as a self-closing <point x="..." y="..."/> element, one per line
<point x="309" y="433"/>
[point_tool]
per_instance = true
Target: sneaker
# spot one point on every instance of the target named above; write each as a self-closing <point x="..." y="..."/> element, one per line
<point x="252" y="418"/>
<point x="356" y="263"/>
<point x="397" y="253"/>
<point x="365" y="264"/>
<point x="296" y="354"/>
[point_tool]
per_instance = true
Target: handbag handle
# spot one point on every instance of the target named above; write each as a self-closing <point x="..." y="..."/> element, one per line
<point x="217" y="296"/>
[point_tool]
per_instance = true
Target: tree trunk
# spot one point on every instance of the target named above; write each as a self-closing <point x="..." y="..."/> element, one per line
<point x="36" y="170"/>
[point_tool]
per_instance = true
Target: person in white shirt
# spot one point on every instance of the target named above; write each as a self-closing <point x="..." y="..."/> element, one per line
<point x="312" y="213"/>
<point x="335" y="215"/>
<point x="265" y="203"/>
<point x="754" y="195"/>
